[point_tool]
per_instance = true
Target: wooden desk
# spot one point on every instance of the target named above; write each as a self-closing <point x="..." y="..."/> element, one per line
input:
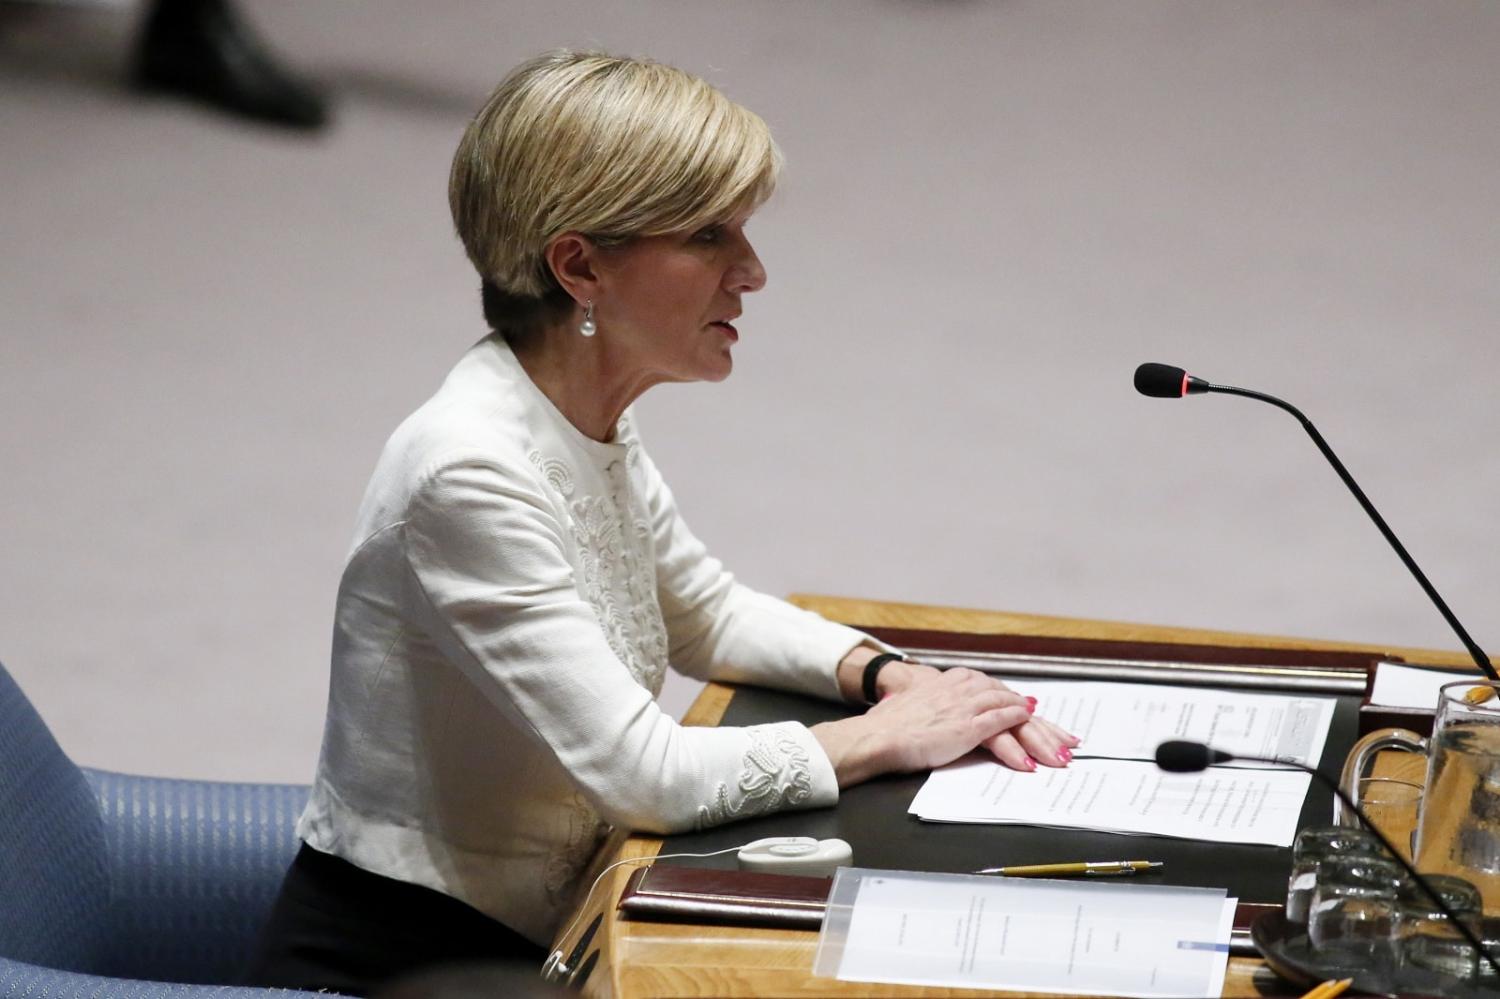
<point x="679" y="960"/>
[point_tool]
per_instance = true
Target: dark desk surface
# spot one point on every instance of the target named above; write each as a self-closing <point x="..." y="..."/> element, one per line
<point x="873" y="819"/>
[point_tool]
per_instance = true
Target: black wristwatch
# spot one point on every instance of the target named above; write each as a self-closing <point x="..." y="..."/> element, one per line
<point x="872" y="670"/>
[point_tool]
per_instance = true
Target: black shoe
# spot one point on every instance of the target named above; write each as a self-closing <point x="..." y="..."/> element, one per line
<point x="201" y="49"/>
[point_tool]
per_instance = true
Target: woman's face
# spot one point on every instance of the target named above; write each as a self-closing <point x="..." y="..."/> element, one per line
<point x="668" y="302"/>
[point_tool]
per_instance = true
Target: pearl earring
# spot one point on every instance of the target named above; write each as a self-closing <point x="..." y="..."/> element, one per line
<point x="588" y="327"/>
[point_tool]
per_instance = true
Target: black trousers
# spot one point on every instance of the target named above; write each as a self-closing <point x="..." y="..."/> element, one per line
<point x="337" y="927"/>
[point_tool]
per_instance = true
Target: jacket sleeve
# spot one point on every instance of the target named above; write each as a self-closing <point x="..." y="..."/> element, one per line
<point x="497" y="594"/>
<point x="719" y="629"/>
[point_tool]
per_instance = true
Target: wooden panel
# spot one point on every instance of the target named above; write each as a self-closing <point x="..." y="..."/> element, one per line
<point x="666" y="959"/>
<point x="709" y="707"/>
<point x="673" y="959"/>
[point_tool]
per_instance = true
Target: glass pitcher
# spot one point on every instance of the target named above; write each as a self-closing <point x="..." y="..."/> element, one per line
<point x="1458" y="827"/>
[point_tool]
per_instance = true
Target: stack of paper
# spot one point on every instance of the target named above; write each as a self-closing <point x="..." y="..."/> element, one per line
<point x="1113" y="784"/>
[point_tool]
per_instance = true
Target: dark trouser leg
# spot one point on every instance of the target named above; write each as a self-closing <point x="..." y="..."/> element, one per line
<point x="341" y="928"/>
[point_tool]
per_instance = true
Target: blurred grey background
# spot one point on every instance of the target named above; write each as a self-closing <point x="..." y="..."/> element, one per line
<point x="991" y="213"/>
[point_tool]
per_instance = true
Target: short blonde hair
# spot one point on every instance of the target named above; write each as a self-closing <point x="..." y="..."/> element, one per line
<point x="611" y="147"/>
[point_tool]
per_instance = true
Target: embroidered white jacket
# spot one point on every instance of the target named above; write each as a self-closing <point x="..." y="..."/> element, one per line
<point x="514" y="595"/>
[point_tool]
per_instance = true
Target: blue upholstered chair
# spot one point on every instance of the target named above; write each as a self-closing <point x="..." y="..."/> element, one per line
<point x="113" y="885"/>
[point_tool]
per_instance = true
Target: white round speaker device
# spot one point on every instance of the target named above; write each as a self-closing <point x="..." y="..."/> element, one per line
<point x="814" y="858"/>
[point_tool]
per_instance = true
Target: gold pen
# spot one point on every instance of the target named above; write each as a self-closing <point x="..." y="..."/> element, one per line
<point x="1097" y="868"/>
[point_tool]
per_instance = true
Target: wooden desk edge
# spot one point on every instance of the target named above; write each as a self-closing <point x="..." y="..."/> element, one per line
<point x="884" y="614"/>
<point x="685" y="960"/>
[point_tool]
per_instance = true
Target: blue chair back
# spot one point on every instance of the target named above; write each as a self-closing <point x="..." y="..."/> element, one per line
<point x="54" y="875"/>
<point x="195" y="867"/>
<point x="132" y="877"/>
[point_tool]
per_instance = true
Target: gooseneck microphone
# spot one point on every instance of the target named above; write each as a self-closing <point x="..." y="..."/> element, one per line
<point x="1178" y="756"/>
<point x="1163" y="381"/>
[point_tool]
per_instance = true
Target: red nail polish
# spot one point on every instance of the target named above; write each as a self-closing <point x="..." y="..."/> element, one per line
<point x="1031" y="705"/>
<point x="1065" y="754"/>
<point x="1030" y="763"/>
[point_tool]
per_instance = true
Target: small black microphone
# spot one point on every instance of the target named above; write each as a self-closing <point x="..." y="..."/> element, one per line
<point x="1180" y="756"/>
<point x="1163" y="381"/>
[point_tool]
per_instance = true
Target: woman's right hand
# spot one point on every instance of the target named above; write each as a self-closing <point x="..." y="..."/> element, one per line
<point x="923" y="726"/>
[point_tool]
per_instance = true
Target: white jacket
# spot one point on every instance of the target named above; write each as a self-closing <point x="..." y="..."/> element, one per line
<point x="515" y="593"/>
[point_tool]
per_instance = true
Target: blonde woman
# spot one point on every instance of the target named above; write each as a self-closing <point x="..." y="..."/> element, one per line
<point x="520" y="578"/>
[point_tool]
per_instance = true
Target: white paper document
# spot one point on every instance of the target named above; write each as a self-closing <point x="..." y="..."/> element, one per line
<point x="1114" y="785"/>
<point x="1221" y="805"/>
<point x="1401" y="686"/>
<point x="1131" y="719"/>
<point x="1079" y="938"/>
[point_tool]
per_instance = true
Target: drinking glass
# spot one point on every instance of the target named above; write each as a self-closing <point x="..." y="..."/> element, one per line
<point x="1426" y="938"/>
<point x="1309" y="850"/>
<point x="1489" y="935"/>
<point x="1354" y="914"/>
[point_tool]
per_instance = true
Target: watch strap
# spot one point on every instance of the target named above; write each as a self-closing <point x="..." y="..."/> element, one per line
<point x="872" y="670"/>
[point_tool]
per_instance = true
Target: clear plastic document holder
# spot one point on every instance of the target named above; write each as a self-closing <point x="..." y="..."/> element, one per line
<point x="1073" y="937"/>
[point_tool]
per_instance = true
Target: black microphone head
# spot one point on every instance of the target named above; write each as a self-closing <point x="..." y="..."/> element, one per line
<point x="1179" y="756"/>
<point x="1161" y="381"/>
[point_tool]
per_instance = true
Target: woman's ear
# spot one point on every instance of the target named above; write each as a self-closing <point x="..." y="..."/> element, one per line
<point x="571" y="257"/>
